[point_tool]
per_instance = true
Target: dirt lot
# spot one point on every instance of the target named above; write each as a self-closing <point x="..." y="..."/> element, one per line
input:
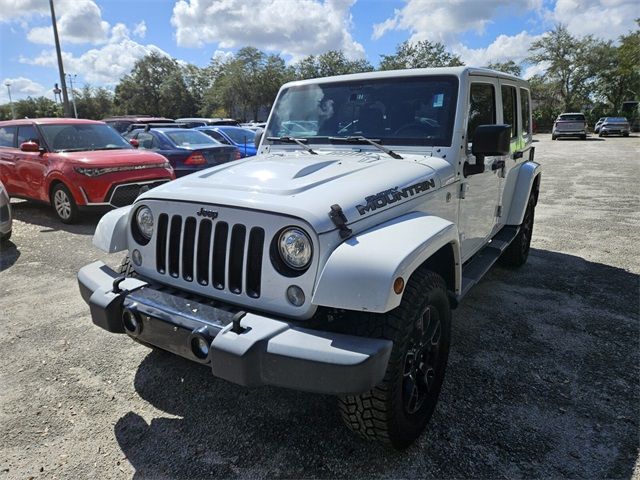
<point x="543" y="378"/>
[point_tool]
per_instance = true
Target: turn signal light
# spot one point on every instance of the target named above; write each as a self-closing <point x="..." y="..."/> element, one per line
<point x="195" y="159"/>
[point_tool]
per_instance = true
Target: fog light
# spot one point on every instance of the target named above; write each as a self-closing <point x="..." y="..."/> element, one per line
<point x="200" y="347"/>
<point x="136" y="256"/>
<point x="295" y="295"/>
<point x="130" y="322"/>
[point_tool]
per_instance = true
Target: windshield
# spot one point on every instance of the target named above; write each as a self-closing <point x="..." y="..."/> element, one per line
<point x="186" y="138"/>
<point x="78" y="137"/>
<point x="395" y="111"/>
<point x="616" y="119"/>
<point x="239" y="135"/>
<point x="576" y="117"/>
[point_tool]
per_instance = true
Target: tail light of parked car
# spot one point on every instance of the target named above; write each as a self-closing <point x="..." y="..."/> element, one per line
<point x="195" y="158"/>
<point x="238" y="155"/>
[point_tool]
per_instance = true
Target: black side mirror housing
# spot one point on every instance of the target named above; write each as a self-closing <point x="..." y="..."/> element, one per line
<point x="488" y="140"/>
<point x="258" y="138"/>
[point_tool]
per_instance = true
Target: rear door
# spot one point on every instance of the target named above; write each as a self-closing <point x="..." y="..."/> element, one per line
<point x="8" y="158"/>
<point x="31" y="167"/>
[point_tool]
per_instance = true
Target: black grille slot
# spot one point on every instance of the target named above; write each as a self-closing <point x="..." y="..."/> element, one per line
<point x="174" y="246"/>
<point x="202" y="255"/>
<point x="236" y="258"/>
<point x="254" y="261"/>
<point x="219" y="254"/>
<point x="188" y="243"/>
<point x="161" y="244"/>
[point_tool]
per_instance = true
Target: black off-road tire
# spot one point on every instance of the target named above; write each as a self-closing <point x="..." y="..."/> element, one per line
<point x="63" y="204"/>
<point x="126" y="268"/>
<point x="383" y="413"/>
<point x="6" y="237"/>
<point x="517" y="252"/>
<point x="583" y="137"/>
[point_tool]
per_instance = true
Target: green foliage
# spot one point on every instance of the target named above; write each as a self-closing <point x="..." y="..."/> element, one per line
<point x="94" y="103"/>
<point x="423" y="54"/>
<point x="507" y="67"/>
<point x="32" y="108"/>
<point x="328" y="64"/>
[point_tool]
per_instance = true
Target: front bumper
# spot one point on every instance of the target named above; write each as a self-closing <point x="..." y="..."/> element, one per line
<point x="248" y="349"/>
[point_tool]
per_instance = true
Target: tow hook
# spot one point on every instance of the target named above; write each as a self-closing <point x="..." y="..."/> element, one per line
<point x="116" y="284"/>
<point x="237" y="328"/>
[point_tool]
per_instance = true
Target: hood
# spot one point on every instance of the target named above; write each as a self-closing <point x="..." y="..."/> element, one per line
<point x="113" y="158"/>
<point x="306" y="186"/>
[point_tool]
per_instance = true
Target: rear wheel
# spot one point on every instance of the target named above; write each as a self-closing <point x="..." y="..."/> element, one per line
<point x="517" y="252"/>
<point x="397" y="410"/>
<point x="63" y="204"/>
<point x="583" y="137"/>
<point x="553" y="137"/>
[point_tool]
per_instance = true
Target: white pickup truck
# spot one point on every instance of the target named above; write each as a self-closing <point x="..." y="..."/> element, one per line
<point x="331" y="261"/>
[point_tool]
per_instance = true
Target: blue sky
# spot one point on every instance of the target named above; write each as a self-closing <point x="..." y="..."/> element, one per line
<point x="102" y="39"/>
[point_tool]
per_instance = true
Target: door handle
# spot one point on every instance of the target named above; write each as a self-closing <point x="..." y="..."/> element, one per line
<point x="497" y="165"/>
<point x="517" y="155"/>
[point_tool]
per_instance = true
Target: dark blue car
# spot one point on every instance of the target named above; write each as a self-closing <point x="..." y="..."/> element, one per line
<point x="239" y="137"/>
<point x="187" y="150"/>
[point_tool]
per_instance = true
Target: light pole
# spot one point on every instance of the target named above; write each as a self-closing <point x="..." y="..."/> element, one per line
<point x="73" y="95"/>
<point x="13" y="110"/>
<point x="65" y="97"/>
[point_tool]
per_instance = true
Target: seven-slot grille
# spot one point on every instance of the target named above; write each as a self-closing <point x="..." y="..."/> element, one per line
<point x="215" y="253"/>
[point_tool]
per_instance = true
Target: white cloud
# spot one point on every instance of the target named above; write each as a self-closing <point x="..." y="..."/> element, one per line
<point x="502" y="49"/>
<point x="296" y="28"/>
<point x="606" y="19"/>
<point x="435" y="20"/>
<point x="11" y="10"/>
<point x="140" y="29"/>
<point x="22" y="87"/>
<point x="104" y="65"/>
<point x="79" y="21"/>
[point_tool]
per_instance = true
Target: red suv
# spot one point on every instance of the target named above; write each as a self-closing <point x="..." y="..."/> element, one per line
<point x="75" y="165"/>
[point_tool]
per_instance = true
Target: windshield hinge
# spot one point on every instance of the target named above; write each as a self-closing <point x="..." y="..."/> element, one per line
<point x="339" y="220"/>
<point x="499" y="211"/>
<point x="463" y="190"/>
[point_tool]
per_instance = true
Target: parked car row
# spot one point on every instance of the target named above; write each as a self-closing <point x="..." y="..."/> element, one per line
<point x="575" y="125"/>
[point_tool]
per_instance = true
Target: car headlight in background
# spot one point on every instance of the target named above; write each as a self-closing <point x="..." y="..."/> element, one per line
<point x="295" y="248"/>
<point x="143" y="224"/>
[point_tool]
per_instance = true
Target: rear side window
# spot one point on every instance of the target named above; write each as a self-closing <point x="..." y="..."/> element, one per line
<point x="510" y="108"/>
<point x="7" y="136"/>
<point x="482" y="107"/>
<point x="27" y="133"/>
<point x="525" y="107"/>
<point x="146" y="141"/>
<point x="572" y="117"/>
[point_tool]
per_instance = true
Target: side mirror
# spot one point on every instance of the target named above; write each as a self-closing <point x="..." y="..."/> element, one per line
<point x="30" y="146"/>
<point x="134" y="143"/>
<point x="488" y="140"/>
<point x="258" y="138"/>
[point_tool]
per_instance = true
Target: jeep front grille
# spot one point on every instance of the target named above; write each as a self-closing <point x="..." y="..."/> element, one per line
<point x="214" y="253"/>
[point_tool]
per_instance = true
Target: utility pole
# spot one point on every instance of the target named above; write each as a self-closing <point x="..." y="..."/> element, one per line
<point x="73" y="94"/>
<point x="65" y="97"/>
<point x="13" y="110"/>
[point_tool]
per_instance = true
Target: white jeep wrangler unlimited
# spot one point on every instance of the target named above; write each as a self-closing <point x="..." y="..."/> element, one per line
<point x="330" y="262"/>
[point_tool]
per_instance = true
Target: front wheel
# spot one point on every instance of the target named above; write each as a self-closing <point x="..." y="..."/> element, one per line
<point x="396" y="411"/>
<point x="63" y="204"/>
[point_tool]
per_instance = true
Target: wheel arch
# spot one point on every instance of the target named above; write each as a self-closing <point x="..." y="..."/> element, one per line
<point x="55" y="179"/>
<point x="360" y="273"/>
<point x="520" y="184"/>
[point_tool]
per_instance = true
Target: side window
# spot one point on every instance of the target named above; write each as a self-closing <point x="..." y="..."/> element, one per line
<point x="219" y="137"/>
<point x="27" y="133"/>
<point x="7" y="136"/>
<point x="510" y="108"/>
<point x="526" y="112"/>
<point x="482" y="107"/>
<point x="146" y="141"/>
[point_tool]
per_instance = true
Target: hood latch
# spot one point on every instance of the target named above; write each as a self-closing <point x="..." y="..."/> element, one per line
<point x="339" y="220"/>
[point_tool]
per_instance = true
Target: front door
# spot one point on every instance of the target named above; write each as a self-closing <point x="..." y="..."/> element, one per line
<point x="31" y="167"/>
<point x="479" y="192"/>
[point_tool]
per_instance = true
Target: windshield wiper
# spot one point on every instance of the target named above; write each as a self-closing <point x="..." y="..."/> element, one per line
<point x="64" y="150"/>
<point x="299" y="141"/>
<point x="361" y="139"/>
<point x="109" y="148"/>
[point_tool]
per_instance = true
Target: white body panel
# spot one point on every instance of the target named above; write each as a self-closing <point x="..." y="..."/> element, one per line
<point x="5" y="202"/>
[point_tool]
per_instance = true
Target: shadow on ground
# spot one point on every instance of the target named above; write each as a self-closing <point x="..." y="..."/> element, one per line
<point x="9" y="254"/>
<point x="542" y="382"/>
<point x="43" y="215"/>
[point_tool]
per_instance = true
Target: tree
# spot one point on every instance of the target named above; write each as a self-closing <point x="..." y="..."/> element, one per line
<point x="94" y="103"/>
<point x="422" y="54"/>
<point x="152" y="86"/>
<point x="572" y="64"/>
<point x="507" y="67"/>
<point x="30" y="107"/>
<point x="328" y="64"/>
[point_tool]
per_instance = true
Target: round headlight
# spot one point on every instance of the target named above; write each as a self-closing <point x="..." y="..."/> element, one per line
<point x="144" y="221"/>
<point x="295" y="248"/>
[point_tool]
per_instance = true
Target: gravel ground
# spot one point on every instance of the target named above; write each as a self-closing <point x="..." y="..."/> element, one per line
<point x="543" y="379"/>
